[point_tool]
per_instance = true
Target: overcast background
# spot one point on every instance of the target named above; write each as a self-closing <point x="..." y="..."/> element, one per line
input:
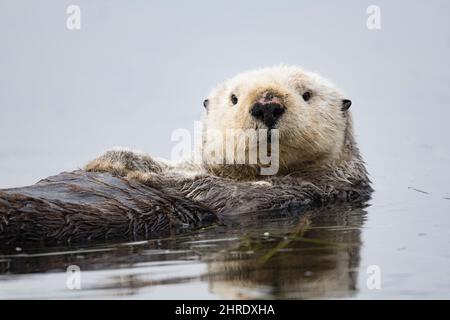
<point x="137" y="70"/>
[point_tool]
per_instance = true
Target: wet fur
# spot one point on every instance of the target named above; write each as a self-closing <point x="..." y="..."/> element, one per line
<point x="319" y="159"/>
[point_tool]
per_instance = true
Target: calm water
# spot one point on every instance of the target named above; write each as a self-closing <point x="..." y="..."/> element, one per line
<point x="277" y="255"/>
<point x="321" y="254"/>
<point x="138" y="70"/>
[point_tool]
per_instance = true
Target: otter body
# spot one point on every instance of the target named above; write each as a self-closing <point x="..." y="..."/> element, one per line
<point x="307" y="120"/>
<point x="318" y="159"/>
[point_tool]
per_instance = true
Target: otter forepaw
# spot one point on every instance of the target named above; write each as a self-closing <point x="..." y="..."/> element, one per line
<point x="124" y="162"/>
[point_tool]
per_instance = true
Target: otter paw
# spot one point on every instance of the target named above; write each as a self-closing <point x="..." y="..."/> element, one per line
<point x="122" y="162"/>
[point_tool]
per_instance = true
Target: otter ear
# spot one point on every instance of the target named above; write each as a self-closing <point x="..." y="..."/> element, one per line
<point x="346" y="104"/>
<point x="206" y="103"/>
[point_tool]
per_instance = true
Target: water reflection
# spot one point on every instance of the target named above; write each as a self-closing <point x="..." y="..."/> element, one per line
<point x="265" y="255"/>
<point x="315" y="256"/>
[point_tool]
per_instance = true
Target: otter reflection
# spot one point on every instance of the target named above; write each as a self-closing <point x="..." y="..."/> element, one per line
<point x="280" y="255"/>
<point x="317" y="258"/>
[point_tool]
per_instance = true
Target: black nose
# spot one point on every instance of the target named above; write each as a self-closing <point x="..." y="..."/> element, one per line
<point x="268" y="113"/>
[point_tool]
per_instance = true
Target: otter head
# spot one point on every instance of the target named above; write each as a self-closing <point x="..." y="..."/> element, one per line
<point x="310" y="115"/>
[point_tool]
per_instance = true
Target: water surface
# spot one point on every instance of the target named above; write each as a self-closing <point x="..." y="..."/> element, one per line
<point x="276" y="255"/>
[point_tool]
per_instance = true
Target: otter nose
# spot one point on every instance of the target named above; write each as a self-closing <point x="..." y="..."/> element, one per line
<point x="268" y="112"/>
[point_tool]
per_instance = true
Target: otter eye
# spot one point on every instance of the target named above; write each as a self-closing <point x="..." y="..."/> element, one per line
<point x="234" y="99"/>
<point x="205" y="103"/>
<point x="306" y="96"/>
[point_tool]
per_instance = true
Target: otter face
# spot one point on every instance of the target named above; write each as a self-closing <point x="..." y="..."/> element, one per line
<point x="309" y="112"/>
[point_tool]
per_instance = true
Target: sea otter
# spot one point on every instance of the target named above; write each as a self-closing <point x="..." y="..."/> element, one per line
<point x="317" y="163"/>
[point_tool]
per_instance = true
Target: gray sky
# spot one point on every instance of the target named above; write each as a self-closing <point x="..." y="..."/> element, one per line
<point x="137" y="70"/>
